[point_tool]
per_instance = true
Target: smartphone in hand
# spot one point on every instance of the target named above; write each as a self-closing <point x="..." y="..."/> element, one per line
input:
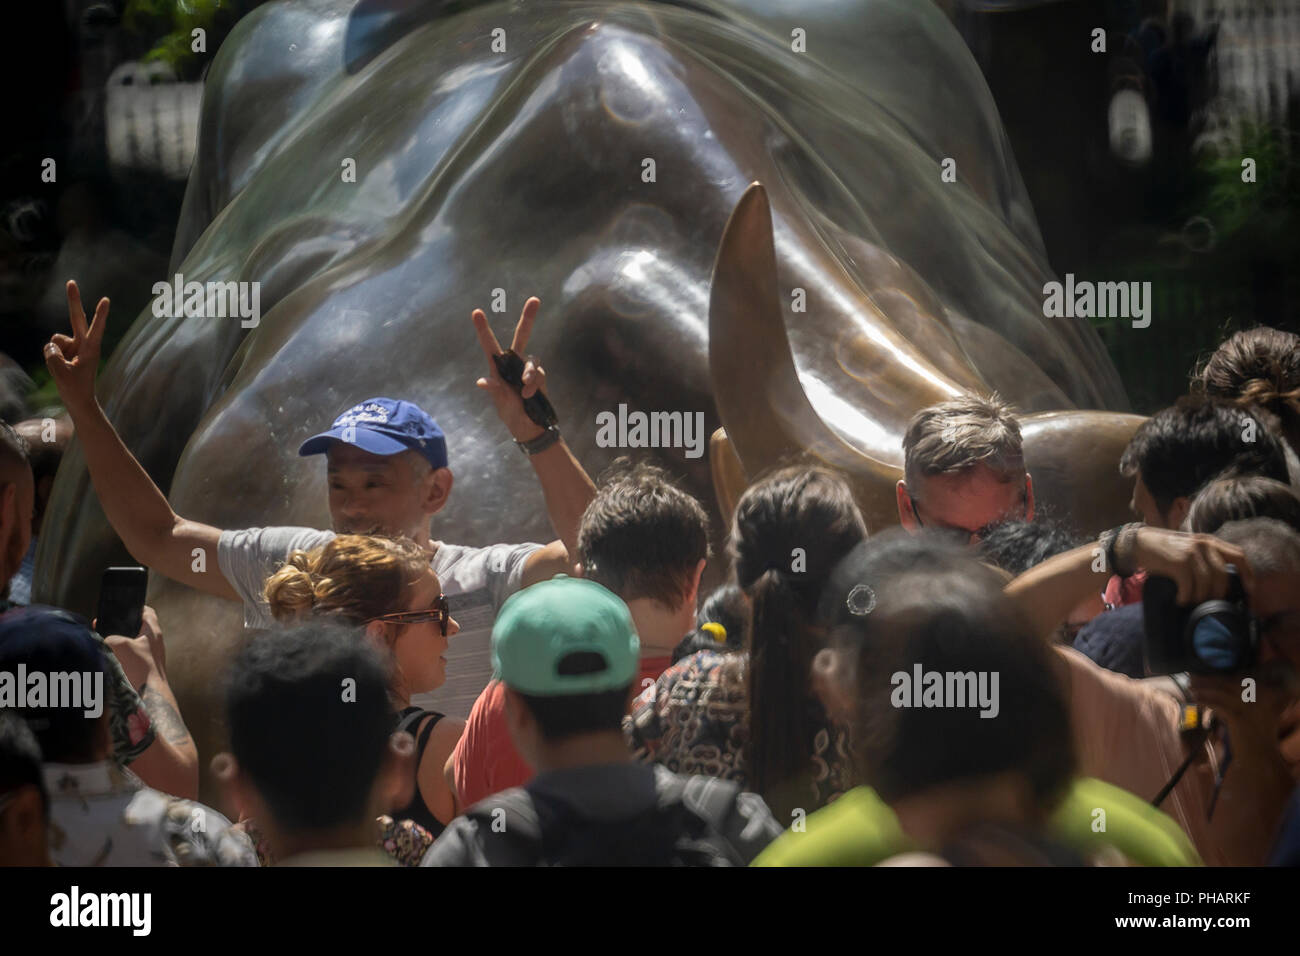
<point x="121" y="601"/>
<point x="511" y="369"/>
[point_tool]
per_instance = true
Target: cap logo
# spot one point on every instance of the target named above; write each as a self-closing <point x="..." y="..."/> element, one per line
<point x="363" y="414"/>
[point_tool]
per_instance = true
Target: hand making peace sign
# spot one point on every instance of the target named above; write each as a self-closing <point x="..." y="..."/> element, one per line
<point x="73" y="360"/>
<point x="509" y="403"/>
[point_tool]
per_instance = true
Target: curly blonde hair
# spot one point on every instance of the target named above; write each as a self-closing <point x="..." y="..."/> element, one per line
<point x="354" y="577"/>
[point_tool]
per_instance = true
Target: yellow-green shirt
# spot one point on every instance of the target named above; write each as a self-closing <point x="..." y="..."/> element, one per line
<point x="859" y="829"/>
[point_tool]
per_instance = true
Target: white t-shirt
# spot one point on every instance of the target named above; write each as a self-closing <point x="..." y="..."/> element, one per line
<point x="476" y="581"/>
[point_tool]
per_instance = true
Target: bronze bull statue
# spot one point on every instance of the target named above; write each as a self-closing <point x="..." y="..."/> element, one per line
<point x="379" y="169"/>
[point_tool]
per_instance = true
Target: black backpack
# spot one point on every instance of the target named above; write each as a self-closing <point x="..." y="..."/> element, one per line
<point x="683" y="829"/>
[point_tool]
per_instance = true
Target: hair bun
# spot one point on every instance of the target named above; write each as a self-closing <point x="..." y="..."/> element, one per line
<point x="289" y="591"/>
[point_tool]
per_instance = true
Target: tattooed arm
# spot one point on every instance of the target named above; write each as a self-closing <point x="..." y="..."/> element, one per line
<point x="165" y="715"/>
<point x="171" y="762"/>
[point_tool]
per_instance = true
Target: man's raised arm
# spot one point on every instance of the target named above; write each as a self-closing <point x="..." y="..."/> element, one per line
<point x="565" y="484"/>
<point x="1197" y="563"/>
<point x="154" y="534"/>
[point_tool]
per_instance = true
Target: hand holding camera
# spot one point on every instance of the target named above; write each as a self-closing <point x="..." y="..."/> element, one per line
<point x="1195" y="609"/>
<point x="1197" y="564"/>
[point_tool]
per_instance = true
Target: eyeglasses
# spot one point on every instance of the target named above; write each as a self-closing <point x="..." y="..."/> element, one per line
<point x="962" y="536"/>
<point x="440" y="612"/>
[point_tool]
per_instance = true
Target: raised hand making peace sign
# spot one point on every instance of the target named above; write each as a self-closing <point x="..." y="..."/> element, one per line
<point x="509" y="402"/>
<point x="73" y="360"/>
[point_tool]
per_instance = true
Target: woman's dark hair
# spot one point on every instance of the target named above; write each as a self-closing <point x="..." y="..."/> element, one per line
<point x="1017" y="546"/>
<point x="725" y="608"/>
<point x="790" y="531"/>
<point x="902" y="602"/>
<point x="1258" y="368"/>
<point x="1238" y="499"/>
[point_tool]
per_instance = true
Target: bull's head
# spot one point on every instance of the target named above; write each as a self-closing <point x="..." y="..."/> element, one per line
<point x="875" y="377"/>
<point x="589" y="153"/>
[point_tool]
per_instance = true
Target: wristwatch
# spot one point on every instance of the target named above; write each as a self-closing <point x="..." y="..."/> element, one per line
<point x="542" y="442"/>
<point x="1117" y="544"/>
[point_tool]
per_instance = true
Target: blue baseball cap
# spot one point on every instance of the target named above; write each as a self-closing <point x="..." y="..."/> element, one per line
<point x="384" y="426"/>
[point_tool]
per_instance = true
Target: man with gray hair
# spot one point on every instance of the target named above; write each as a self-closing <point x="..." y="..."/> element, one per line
<point x="963" y="469"/>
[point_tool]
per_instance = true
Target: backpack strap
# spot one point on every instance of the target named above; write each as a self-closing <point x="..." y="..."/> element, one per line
<point x="714" y="804"/>
<point x="509" y="830"/>
<point x="709" y="798"/>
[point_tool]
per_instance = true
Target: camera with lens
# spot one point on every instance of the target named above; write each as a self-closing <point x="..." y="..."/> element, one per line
<point x="1214" y="637"/>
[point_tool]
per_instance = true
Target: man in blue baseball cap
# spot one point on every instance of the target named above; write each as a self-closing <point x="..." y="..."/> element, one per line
<point x="387" y="471"/>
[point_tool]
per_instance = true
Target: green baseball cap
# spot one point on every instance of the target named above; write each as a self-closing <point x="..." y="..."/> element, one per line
<point x="565" y="636"/>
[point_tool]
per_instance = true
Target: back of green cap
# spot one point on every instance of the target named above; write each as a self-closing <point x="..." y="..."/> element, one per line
<point x="564" y="637"/>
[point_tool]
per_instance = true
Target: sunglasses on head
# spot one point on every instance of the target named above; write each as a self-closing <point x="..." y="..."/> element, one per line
<point x="440" y="612"/>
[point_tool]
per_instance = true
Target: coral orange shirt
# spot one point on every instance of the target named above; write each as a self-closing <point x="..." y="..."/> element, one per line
<point x="485" y="760"/>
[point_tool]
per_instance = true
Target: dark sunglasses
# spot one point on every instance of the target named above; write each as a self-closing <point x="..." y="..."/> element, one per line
<point x="440" y="612"/>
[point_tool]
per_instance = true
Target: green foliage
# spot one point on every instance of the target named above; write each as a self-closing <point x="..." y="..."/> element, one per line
<point x="176" y="21"/>
<point x="1267" y="204"/>
<point x="44" y="396"/>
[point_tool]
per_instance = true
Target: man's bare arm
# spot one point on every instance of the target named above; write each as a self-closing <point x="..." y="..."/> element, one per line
<point x="568" y="491"/>
<point x="138" y="511"/>
<point x="1196" y="563"/>
<point x="566" y="486"/>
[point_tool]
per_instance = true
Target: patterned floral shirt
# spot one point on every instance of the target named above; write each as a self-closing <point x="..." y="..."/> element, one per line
<point x="695" y="720"/>
<point x="102" y="815"/>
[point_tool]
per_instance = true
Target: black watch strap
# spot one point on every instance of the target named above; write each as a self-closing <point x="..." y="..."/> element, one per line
<point x="542" y="442"/>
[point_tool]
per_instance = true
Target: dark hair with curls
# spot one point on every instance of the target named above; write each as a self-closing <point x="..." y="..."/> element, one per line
<point x="789" y="532"/>
<point x="1258" y="368"/>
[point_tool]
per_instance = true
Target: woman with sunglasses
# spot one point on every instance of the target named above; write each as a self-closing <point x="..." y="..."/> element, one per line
<point x="386" y="586"/>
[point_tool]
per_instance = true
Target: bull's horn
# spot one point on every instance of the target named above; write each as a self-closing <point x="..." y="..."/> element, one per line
<point x="760" y="399"/>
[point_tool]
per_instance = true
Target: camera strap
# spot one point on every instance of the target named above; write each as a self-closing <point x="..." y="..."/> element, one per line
<point x="1181" y="771"/>
<point x="1192" y="725"/>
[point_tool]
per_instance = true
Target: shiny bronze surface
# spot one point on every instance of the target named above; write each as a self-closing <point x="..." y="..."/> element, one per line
<point x="525" y="169"/>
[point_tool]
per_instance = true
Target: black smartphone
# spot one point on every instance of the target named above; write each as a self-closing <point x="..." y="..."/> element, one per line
<point x="511" y="368"/>
<point x="121" y="601"/>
